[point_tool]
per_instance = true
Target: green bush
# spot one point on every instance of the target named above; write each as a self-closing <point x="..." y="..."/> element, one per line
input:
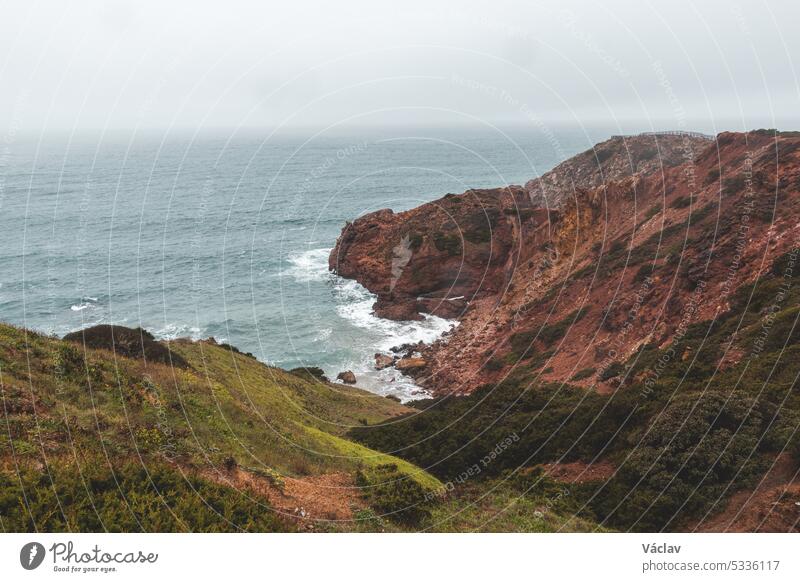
<point x="582" y="374"/>
<point x="494" y="364"/>
<point x="613" y="370"/>
<point x="680" y="466"/>
<point x="126" y="498"/>
<point x="394" y="495"/>
<point x="551" y="333"/>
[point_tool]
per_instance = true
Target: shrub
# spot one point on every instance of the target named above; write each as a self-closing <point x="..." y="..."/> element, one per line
<point x="612" y="371"/>
<point x="781" y="265"/>
<point x="652" y="211"/>
<point x="643" y="273"/>
<point x="681" y="202"/>
<point x="394" y="495"/>
<point x="495" y="364"/>
<point x="681" y="465"/>
<point x="126" y="498"/>
<point x="69" y="363"/>
<point x="583" y="374"/>
<point x="551" y="333"/>
<point x="712" y="176"/>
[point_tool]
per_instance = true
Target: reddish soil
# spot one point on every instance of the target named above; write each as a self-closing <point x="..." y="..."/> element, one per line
<point x="773" y="506"/>
<point x="303" y="501"/>
<point x="618" y="264"/>
<point x="579" y="472"/>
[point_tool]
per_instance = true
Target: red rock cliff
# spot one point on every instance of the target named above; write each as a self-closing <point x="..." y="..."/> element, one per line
<point x="637" y="246"/>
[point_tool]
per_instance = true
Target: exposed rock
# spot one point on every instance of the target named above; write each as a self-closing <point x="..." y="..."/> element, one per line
<point x="404" y="310"/>
<point x="408" y="364"/>
<point x="407" y="349"/>
<point x="609" y="265"/>
<point x="614" y="159"/>
<point x="347" y="377"/>
<point x="448" y="308"/>
<point x="383" y="361"/>
<point x="456" y="247"/>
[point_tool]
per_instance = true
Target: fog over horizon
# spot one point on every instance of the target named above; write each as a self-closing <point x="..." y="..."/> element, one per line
<point x="310" y="65"/>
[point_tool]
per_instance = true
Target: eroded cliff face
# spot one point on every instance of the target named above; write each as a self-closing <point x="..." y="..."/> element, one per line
<point x="436" y="258"/>
<point x="631" y="253"/>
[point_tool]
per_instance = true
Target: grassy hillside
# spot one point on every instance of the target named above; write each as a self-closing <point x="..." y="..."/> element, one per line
<point x="94" y="440"/>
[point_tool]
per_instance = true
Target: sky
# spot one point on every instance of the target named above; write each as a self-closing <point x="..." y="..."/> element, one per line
<point x="303" y="65"/>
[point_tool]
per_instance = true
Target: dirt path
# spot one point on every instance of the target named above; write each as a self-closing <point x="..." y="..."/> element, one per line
<point x="329" y="497"/>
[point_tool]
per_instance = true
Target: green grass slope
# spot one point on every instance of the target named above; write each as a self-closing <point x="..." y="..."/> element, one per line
<point x="91" y="440"/>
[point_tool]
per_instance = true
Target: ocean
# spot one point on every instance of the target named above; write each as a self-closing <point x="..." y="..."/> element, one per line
<point x="228" y="234"/>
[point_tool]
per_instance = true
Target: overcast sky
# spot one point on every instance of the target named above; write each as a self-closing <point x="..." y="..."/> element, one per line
<point x="305" y="64"/>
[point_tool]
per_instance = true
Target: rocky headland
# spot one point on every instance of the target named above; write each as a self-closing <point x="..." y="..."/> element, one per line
<point x="616" y="248"/>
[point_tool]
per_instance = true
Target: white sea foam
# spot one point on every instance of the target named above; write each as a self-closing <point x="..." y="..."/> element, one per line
<point x="85" y="303"/>
<point x="311" y="265"/>
<point x="323" y="334"/>
<point x="172" y="331"/>
<point x="354" y="305"/>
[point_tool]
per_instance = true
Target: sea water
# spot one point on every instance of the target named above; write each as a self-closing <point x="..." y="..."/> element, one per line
<point x="227" y="234"/>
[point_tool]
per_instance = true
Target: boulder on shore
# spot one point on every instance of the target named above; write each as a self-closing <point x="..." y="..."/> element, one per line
<point x="347" y="377"/>
<point x="407" y="310"/>
<point x="383" y="361"/>
<point x="407" y="364"/>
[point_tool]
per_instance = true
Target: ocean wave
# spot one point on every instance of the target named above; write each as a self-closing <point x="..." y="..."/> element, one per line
<point x="306" y="266"/>
<point x="173" y="331"/>
<point x="323" y="334"/>
<point x="356" y="307"/>
<point x="85" y="303"/>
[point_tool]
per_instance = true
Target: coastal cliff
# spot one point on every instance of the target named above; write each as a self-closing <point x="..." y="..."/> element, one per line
<point x="642" y="236"/>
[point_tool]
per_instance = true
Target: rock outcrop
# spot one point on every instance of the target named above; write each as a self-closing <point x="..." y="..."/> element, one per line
<point x="347" y="377"/>
<point x="614" y="159"/>
<point x="406" y="364"/>
<point x="635" y="247"/>
<point x="435" y="258"/>
<point x="383" y="361"/>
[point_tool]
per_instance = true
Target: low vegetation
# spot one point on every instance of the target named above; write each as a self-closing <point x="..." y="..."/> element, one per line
<point x="684" y="433"/>
<point x="95" y="441"/>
